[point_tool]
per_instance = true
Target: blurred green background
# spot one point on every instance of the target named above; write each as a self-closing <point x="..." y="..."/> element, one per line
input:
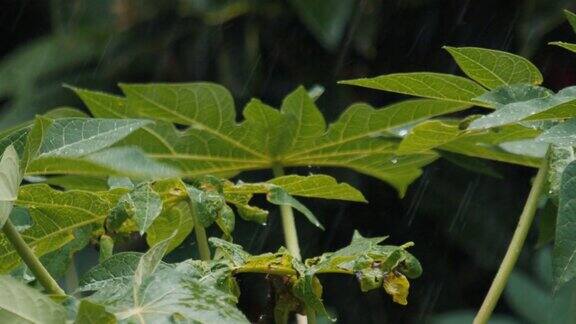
<point x="460" y="219"/>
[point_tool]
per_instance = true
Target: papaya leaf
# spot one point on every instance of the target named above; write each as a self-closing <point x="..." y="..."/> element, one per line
<point x="295" y="135"/>
<point x="492" y="68"/>
<point x="150" y="261"/>
<point x="53" y="147"/>
<point x="22" y="304"/>
<point x="558" y="106"/>
<point x="55" y="215"/>
<point x="143" y="205"/>
<point x="563" y="134"/>
<point x="508" y="94"/>
<point x="75" y="137"/>
<point x="280" y="190"/>
<point x="443" y="87"/>
<point x="569" y="46"/>
<point x="175" y="218"/>
<point x="428" y="135"/>
<point x="317" y="186"/>
<point x="10" y="179"/>
<point x="183" y="298"/>
<point x="564" y="263"/>
<point x="486" y="144"/>
<point x="116" y="271"/>
<point x="90" y="313"/>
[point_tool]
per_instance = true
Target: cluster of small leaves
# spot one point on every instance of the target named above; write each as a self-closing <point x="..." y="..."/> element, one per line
<point x="527" y="122"/>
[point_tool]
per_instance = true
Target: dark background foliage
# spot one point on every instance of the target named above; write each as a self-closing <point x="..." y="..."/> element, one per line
<point x="460" y="219"/>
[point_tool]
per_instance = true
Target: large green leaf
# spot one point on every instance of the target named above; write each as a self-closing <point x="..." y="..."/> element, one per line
<point x="564" y="261"/>
<point x="81" y="146"/>
<point x="20" y="304"/>
<point x="75" y="137"/>
<point x="428" y="135"/>
<point x="116" y="271"/>
<point x="492" y="68"/>
<point x="486" y="144"/>
<point x="444" y="87"/>
<point x="147" y="291"/>
<point x="563" y="134"/>
<point x="295" y="135"/>
<point x="558" y="106"/>
<point x="55" y="215"/>
<point x="10" y="179"/>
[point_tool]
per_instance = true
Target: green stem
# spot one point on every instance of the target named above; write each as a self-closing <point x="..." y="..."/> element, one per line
<point x="201" y="237"/>
<point x="515" y="246"/>
<point x="288" y="222"/>
<point x="311" y="315"/>
<point x="31" y="260"/>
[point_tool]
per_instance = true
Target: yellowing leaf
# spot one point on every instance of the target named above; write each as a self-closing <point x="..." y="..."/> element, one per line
<point x="397" y="286"/>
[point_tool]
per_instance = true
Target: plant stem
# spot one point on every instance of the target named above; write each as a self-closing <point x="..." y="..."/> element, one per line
<point x="515" y="246"/>
<point x="311" y="315"/>
<point x="31" y="260"/>
<point x="290" y="234"/>
<point x="288" y="222"/>
<point x="201" y="237"/>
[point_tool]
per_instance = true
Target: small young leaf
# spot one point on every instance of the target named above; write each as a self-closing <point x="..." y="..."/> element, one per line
<point x="176" y="218"/>
<point x="317" y="186"/>
<point x="492" y="68"/>
<point x="22" y="304"/>
<point x="279" y="196"/>
<point x="143" y="205"/>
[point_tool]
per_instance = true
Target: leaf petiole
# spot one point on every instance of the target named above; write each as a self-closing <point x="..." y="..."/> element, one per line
<point x="515" y="247"/>
<point x="33" y="263"/>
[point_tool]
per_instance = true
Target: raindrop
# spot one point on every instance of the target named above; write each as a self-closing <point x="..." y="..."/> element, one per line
<point x="403" y="132"/>
<point x="394" y="160"/>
